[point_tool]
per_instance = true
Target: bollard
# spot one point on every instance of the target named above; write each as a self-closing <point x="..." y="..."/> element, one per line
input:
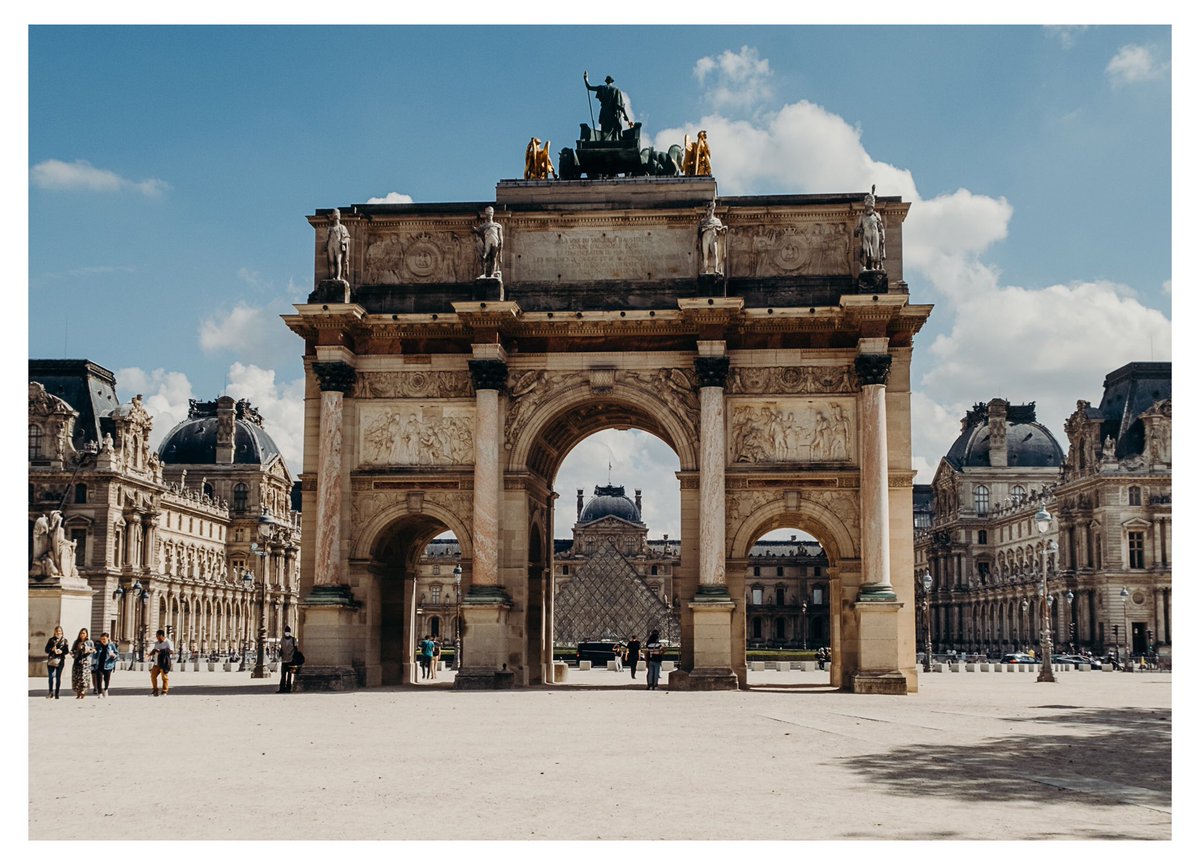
<point x="668" y="666"/>
<point x="758" y="666"/>
<point x="585" y="665"/>
<point x="783" y="666"/>
<point x="560" y="671"/>
<point x="612" y="666"/>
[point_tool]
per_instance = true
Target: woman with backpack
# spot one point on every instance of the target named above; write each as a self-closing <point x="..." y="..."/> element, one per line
<point x="104" y="662"/>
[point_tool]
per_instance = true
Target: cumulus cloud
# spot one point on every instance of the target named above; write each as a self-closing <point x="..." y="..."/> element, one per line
<point x="281" y="404"/>
<point x="254" y="334"/>
<point x="165" y="395"/>
<point x="738" y="80"/>
<point x="392" y="198"/>
<point x="1133" y="64"/>
<point x="82" y="176"/>
<point x="1050" y="344"/>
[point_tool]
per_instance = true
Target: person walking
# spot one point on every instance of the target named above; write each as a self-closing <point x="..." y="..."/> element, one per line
<point x="617" y="650"/>
<point x="426" y="656"/>
<point x="81" y="669"/>
<point x="57" y="648"/>
<point x="635" y="652"/>
<point x="435" y="658"/>
<point x="654" y="659"/>
<point x="162" y="650"/>
<point x="104" y="662"/>
<point x="287" y="655"/>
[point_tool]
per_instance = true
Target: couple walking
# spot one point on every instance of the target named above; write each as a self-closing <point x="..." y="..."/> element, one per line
<point x="653" y="651"/>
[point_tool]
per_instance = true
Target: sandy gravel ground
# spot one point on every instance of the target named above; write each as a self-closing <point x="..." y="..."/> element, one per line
<point x="972" y="756"/>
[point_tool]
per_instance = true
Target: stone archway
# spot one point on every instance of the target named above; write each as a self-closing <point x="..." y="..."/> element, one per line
<point x="435" y="398"/>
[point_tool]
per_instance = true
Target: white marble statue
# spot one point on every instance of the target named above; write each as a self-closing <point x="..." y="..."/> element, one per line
<point x="337" y="247"/>
<point x="712" y="231"/>
<point x="492" y="235"/>
<point x="873" y="248"/>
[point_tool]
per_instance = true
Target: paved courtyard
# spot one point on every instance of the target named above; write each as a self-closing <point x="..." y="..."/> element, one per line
<point x="972" y="756"/>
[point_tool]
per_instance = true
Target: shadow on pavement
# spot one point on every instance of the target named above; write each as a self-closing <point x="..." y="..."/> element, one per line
<point x="1104" y="755"/>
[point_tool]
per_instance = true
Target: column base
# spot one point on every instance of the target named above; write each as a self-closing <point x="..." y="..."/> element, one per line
<point x="484" y="680"/>
<point x="872" y="592"/>
<point x="894" y="684"/>
<point x="326" y="678"/>
<point x="703" y="680"/>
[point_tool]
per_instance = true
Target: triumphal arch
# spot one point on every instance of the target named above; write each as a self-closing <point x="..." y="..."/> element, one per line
<point x="455" y="353"/>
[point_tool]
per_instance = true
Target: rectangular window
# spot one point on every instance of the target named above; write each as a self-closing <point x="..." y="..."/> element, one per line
<point x="1135" y="495"/>
<point x="79" y="536"/>
<point x="818" y="596"/>
<point x="756" y="596"/>
<point x="1137" y="550"/>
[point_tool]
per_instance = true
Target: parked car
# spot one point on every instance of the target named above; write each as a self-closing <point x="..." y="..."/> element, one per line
<point x="1018" y="658"/>
<point x="599" y="652"/>
<point x="1076" y="660"/>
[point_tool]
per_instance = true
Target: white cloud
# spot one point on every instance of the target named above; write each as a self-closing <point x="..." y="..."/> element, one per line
<point x="741" y="80"/>
<point x="165" y="395"/>
<point x="1051" y="344"/>
<point x="392" y="198"/>
<point x="82" y="176"/>
<point x="1134" y="63"/>
<point x="281" y="405"/>
<point x="1065" y="33"/>
<point x="253" y="334"/>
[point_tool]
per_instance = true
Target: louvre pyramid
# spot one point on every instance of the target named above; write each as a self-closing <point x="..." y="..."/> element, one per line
<point x="606" y="598"/>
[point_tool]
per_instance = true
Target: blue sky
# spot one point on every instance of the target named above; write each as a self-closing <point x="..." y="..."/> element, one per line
<point x="171" y="168"/>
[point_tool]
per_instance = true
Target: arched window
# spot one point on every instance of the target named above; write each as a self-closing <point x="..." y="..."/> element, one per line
<point x="35" y="442"/>
<point x="1135" y="496"/>
<point x="654" y="570"/>
<point x="208" y="490"/>
<point x="982" y="498"/>
<point x="435" y="626"/>
<point x="241" y="499"/>
<point x="1018" y="491"/>
<point x="81" y="494"/>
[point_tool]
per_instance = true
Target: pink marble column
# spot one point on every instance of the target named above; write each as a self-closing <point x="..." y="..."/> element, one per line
<point x="489" y="377"/>
<point x="712" y="373"/>
<point x="336" y="379"/>
<point x="873" y="485"/>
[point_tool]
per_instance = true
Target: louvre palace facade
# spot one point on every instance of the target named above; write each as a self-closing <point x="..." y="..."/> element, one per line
<point x="1107" y="554"/>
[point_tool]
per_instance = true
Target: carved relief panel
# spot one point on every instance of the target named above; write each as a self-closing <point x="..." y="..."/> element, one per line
<point x="411" y="433"/>
<point x="400" y="257"/>
<point x="792" y="430"/>
<point x="804" y="249"/>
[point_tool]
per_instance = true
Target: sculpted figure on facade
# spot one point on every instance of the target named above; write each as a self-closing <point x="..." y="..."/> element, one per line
<point x="712" y="241"/>
<point x="767" y="434"/>
<point x="1109" y="450"/>
<point x="697" y="158"/>
<point x="538" y="164"/>
<point x="873" y="247"/>
<point x="337" y="247"/>
<point x="491" y="234"/>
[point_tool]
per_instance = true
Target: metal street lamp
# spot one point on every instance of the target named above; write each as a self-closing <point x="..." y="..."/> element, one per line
<point x="1071" y="616"/>
<point x="804" y="625"/>
<point x="927" y="583"/>
<point x="1042" y="520"/>
<point x="1125" y="616"/>
<point x="264" y="533"/>
<point x="1021" y="623"/>
<point x="458" y="617"/>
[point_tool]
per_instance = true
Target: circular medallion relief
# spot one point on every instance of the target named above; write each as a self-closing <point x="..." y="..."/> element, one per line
<point x="1139" y="598"/>
<point x="789" y="254"/>
<point x="422" y="259"/>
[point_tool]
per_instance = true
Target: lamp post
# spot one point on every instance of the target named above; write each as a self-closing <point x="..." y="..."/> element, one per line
<point x="1042" y="519"/>
<point x="1021" y="623"/>
<point x="1125" y="616"/>
<point x="264" y="534"/>
<point x="1071" y="616"/>
<point x="119" y="598"/>
<point x="458" y="617"/>
<point x="804" y="625"/>
<point x="927" y="584"/>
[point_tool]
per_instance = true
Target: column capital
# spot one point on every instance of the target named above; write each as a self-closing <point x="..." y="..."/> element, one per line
<point x="334" y="376"/>
<point x="873" y="368"/>
<point x="712" y="371"/>
<point x="488" y="374"/>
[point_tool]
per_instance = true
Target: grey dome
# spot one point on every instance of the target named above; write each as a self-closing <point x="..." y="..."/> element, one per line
<point x="194" y="442"/>
<point x="610" y="501"/>
<point x="1030" y="445"/>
